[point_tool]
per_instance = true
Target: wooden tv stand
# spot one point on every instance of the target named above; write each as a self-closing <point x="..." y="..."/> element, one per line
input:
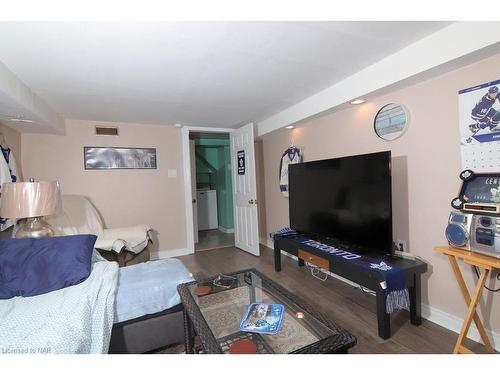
<point x="368" y="278"/>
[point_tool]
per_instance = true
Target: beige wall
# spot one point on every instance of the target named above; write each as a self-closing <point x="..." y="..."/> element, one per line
<point x="13" y="140"/>
<point x="123" y="197"/>
<point x="426" y="164"/>
<point x="261" y="190"/>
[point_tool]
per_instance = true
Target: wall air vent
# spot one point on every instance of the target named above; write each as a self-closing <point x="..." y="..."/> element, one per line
<point x="106" y="130"/>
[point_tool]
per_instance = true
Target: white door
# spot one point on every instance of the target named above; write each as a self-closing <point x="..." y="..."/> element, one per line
<point x="246" y="231"/>
<point x="192" y="159"/>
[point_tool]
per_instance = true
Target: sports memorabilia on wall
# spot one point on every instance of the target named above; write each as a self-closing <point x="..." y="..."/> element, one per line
<point x="119" y="158"/>
<point x="480" y="192"/>
<point x="479" y="120"/>
<point x="241" y="161"/>
<point x="291" y="155"/>
<point x="391" y="121"/>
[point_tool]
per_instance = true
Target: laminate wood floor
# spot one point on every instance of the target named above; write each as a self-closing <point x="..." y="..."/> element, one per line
<point x="213" y="239"/>
<point x="348" y="306"/>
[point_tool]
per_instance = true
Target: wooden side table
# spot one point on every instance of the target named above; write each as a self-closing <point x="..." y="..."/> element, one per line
<point x="485" y="264"/>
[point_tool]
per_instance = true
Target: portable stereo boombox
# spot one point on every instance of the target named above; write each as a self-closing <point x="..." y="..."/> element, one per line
<point x="475" y="223"/>
<point x="479" y="233"/>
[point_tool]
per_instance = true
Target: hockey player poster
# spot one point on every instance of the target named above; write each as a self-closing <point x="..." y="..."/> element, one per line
<point x="479" y="119"/>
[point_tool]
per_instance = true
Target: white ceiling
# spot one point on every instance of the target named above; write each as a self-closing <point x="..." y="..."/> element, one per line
<point x="195" y="73"/>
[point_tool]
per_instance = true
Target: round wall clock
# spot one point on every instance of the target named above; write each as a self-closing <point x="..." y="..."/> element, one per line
<point x="391" y="121"/>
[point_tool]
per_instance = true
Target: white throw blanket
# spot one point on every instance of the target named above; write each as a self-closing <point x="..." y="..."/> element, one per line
<point x="76" y="319"/>
<point x="79" y="216"/>
<point x="134" y="239"/>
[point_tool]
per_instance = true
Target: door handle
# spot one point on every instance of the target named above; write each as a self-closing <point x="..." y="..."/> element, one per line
<point x="250" y="201"/>
<point x="194" y="200"/>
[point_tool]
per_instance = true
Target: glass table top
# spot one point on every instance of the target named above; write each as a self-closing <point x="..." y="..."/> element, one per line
<point x="225" y="305"/>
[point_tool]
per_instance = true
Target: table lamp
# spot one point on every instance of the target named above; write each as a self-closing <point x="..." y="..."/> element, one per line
<point x="32" y="201"/>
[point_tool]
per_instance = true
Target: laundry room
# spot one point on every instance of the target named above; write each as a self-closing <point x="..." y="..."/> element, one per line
<point x="214" y="199"/>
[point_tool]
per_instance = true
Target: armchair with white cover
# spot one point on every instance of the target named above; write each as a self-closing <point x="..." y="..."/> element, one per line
<point x="79" y="216"/>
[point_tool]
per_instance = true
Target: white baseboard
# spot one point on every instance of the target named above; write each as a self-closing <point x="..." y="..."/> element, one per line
<point x="162" y="254"/>
<point x="454" y="323"/>
<point x="263" y="241"/>
<point x="226" y="230"/>
<point x="267" y="242"/>
<point x="440" y="317"/>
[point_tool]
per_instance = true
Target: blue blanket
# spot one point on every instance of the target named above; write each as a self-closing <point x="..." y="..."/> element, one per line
<point x="148" y="288"/>
<point x="394" y="278"/>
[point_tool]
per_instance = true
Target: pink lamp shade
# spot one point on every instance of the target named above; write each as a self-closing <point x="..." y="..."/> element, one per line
<point x="30" y="199"/>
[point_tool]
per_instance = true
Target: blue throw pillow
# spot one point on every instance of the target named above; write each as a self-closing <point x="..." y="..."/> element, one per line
<point x="29" y="267"/>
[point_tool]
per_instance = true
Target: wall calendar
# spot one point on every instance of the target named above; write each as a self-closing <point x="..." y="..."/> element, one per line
<point x="479" y="121"/>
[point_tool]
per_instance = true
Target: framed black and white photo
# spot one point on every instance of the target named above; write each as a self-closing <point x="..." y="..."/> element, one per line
<point x="119" y="158"/>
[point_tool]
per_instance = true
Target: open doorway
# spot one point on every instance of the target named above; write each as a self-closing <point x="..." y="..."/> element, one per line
<point x="244" y="188"/>
<point x="212" y="190"/>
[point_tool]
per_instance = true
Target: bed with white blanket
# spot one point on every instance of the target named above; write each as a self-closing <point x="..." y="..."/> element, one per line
<point x="76" y="319"/>
<point x="136" y="309"/>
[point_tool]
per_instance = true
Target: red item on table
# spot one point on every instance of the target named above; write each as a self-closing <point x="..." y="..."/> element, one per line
<point x="202" y="290"/>
<point x="243" y="347"/>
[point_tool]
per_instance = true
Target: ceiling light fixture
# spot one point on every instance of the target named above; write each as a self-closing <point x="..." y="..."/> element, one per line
<point x="289" y="127"/>
<point x="20" y="119"/>
<point x="357" y="101"/>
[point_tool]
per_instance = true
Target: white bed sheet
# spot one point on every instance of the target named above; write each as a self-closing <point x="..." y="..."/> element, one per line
<point x="76" y="319"/>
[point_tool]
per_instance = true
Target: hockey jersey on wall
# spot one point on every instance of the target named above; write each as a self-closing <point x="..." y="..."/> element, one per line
<point x="8" y="173"/>
<point x="291" y="155"/>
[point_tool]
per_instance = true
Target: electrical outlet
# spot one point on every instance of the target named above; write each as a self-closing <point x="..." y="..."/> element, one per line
<point x="402" y="246"/>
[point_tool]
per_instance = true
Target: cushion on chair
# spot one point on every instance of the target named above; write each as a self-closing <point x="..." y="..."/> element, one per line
<point x="29" y="267"/>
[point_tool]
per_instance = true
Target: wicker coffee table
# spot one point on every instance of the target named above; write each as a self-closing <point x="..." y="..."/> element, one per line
<point x="215" y="317"/>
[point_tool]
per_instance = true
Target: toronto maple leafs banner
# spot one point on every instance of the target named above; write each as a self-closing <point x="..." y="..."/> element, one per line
<point x="394" y="278"/>
<point x="479" y="121"/>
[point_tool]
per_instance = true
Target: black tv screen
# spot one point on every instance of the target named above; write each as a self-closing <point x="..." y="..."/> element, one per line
<point x="345" y="201"/>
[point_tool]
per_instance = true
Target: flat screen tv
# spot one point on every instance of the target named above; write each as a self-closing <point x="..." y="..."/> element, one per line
<point x="344" y="201"/>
